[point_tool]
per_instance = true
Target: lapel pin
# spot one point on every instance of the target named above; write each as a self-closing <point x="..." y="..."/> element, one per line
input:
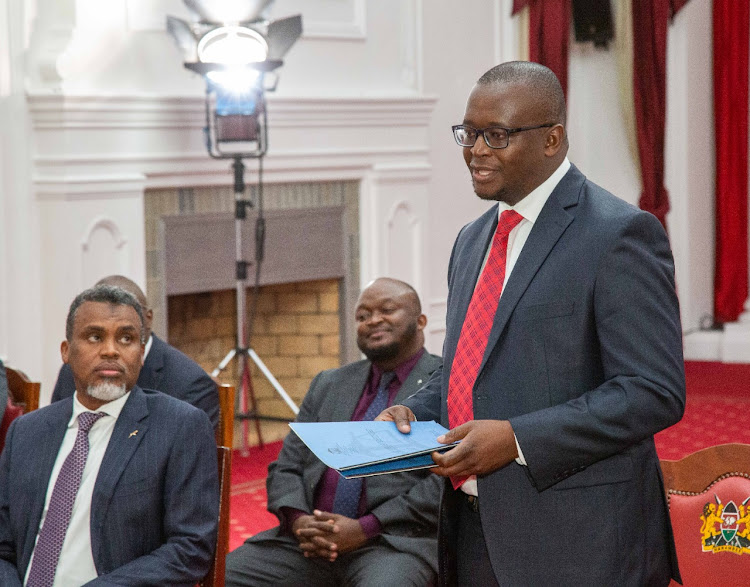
<point x="419" y="382"/>
<point x="133" y="433"/>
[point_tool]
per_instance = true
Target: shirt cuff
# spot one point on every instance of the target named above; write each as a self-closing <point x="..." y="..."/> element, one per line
<point x="519" y="459"/>
<point x="370" y="526"/>
<point x="288" y="517"/>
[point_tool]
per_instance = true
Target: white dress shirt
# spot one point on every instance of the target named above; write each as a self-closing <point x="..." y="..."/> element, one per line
<point x="76" y="565"/>
<point x="530" y="208"/>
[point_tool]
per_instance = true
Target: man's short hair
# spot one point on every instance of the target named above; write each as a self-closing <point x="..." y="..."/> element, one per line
<point x="109" y="294"/>
<point x="534" y="75"/>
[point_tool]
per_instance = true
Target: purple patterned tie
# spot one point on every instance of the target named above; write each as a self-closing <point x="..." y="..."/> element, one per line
<point x="52" y="534"/>
<point x="348" y="491"/>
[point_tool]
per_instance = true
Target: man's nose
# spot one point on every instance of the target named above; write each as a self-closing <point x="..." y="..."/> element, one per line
<point x="480" y="146"/>
<point x="375" y="317"/>
<point x="109" y="347"/>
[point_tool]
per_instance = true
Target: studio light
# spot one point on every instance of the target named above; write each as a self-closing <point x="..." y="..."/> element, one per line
<point x="237" y="51"/>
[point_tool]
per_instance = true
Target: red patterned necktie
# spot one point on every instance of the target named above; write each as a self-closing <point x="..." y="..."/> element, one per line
<point x="476" y="328"/>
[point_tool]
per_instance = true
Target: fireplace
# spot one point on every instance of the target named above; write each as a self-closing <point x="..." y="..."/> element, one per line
<point x="309" y="282"/>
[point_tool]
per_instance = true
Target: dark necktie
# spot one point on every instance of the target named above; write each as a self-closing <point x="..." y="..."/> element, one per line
<point x="52" y="534"/>
<point x="476" y="328"/>
<point x="348" y="491"/>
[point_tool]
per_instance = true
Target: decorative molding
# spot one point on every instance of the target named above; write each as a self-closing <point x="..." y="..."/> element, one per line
<point x="401" y="205"/>
<point x="418" y="171"/>
<point x="107" y="224"/>
<point x="88" y="186"/>
<point x="414" y="236"/>
<point x="354" y="30"/>
<point x="198" y="169"/>
<point x="50" y="112"/>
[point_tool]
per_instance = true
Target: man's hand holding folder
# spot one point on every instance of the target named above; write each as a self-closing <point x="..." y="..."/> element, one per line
<point x="483" y="444"/>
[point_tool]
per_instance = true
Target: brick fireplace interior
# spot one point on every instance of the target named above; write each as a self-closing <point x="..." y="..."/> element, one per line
<point x="309" y="284"/>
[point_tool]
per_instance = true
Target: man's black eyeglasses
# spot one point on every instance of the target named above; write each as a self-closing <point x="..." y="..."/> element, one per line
<point x="495" y="137"/>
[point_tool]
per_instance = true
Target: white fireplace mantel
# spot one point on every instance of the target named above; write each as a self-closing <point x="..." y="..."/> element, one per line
<point x="96" y="155"/>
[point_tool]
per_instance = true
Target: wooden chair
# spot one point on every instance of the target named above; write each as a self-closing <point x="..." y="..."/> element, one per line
<point x="215" y="576"/>
<point x="709" y="505"/>
<point x="224" y="441"/>
<point x="23" y="397"/>
<point x="225" y="429"/>
<point x="25" y="392"/>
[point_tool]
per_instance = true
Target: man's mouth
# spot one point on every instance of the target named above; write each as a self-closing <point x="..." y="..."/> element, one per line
<point x="109" y="370"/>
<point x="481" y="174"/>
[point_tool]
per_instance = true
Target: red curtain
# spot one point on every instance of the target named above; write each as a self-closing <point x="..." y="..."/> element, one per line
<point x="650" y="20"/>
<point x="549" y="27"/>
<point x="730" y="58"/>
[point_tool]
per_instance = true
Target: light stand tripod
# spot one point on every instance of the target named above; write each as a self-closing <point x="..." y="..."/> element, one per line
<point x="237" y="50"/>
<point x="244" y="327"/>
<point x="227" y="128"/>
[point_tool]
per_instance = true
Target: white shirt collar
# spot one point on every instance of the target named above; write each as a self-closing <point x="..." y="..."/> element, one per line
<point x="531" y="206"/>
<point x="149" y="342"/>
<point x="112" y="408"/>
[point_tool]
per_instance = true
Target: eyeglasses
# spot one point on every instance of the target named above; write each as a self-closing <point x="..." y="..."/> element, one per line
<point x="495" y="137"/>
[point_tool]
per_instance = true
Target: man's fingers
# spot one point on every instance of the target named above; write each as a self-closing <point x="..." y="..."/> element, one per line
<point x="401" y="415"/>
<point x="457" y="433"/>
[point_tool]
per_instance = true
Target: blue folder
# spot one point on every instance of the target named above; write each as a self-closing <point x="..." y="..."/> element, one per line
<point x="360" y="449"/>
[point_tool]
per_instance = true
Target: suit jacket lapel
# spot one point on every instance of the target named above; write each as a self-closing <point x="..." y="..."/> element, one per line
<point x="55" y="427"/>
<point x="418" y="375"/>
<point x="466" y="281"/>
<point x="552" y="222"/>
<point x="351" y="392"/>
<point x="151" y="372"/>
<point x="122" y="445"/>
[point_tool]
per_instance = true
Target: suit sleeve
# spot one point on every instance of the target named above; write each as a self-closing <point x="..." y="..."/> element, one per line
<point x="285" y="483"/>
<point x="414" y="513"/>
<point x="201" y="392"/>
<point x="8" y="548"/>
<point x="191" y="511"/>
<point x="426" y="403"/>
<point x="637" y="325"/>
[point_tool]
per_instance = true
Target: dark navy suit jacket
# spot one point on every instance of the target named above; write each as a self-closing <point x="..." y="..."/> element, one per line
<point x="167" y="370"/>
<point x="585" y="360"/>
<point x="155" y="505"/>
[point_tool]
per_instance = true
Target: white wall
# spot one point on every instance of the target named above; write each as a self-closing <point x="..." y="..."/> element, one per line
<point x="368" y="93"/>
<point x="20" y="295"/>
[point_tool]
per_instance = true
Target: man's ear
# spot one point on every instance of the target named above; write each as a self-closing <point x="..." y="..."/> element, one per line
<point x="555" y="140"/>
<point x="64" y="350"/>
<point x="421" y="322"/>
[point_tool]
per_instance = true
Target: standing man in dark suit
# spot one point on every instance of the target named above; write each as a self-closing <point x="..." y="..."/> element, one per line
<point x="562" y="355"/>
<point x="164" y="367"/>
<point x="338" y="532"/>
<point x="117" y="485"/>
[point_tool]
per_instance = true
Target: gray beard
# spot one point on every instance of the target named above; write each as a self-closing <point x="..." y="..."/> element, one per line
<point x="106" y="392"/>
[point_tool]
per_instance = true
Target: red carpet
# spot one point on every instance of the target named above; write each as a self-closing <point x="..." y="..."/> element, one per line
<point x="247" y="503"/>
<point x="717" y="411"/>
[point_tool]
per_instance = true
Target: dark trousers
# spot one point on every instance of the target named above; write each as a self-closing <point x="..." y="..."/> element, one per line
<point x="281" y="562"/>
<point x="473" y="561"/>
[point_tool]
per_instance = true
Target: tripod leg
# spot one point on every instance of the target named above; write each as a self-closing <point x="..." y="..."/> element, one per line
<point x="247" y="385"/>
